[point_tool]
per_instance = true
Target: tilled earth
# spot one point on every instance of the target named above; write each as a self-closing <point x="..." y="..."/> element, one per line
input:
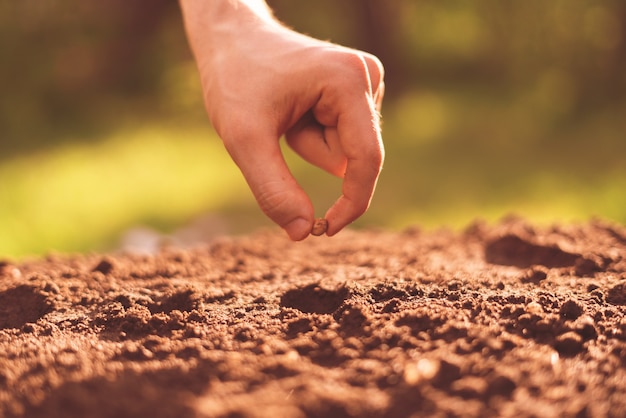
<point x="510" y="320"/>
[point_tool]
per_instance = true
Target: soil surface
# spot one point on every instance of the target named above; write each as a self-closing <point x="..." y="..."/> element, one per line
<point x="510" y="320"/>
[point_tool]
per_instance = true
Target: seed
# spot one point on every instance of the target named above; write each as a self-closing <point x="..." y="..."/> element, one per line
<point x="319" y="227"/>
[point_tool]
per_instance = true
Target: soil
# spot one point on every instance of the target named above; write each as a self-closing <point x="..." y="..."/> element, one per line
<point x="511" y="320"/>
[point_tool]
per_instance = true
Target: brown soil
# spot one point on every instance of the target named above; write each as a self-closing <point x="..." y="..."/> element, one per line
<point x="508" y="320"/>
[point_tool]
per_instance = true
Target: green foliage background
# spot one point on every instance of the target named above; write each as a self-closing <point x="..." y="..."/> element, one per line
<point x="493" y="107"/>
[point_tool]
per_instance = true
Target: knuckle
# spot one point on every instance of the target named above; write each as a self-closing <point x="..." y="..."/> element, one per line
<point x="377" y="159"/>
<point x="360" y="207"/>
<point x="356" y="69"/>
<point x="375" y="67"/>
<point x="364" y="66"/>
<point x="352" y="67"/>
<point x="373" y="152"/>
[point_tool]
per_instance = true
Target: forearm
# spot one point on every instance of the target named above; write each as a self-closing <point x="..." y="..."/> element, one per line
<point x="214" y="23"/>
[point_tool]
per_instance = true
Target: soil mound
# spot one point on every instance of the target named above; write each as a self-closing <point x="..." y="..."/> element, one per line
<point x="497" y="320"/>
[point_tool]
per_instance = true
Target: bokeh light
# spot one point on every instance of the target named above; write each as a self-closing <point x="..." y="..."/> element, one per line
<point x="492" y="107"/>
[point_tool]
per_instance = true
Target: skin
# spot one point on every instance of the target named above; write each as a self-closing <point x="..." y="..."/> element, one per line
<point x="262" y="81"/>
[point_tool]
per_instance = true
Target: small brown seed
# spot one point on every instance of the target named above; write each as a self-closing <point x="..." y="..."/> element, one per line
<point x="319" y="227"/>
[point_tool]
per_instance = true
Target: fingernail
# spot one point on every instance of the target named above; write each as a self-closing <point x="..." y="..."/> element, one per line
<point x="298" y="229"/>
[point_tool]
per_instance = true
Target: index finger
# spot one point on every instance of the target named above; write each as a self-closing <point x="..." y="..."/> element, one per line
<point x="358" y="127"/>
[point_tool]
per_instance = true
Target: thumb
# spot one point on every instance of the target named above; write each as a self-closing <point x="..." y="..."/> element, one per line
<point x="277" y="192"/>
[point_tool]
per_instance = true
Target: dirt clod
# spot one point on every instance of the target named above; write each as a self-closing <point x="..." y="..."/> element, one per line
<point x="569" y="344"/>
<point x="571" y="309"/>
<point x="105" y="266"/>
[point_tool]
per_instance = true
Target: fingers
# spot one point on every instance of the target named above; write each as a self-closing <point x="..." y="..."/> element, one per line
<point x="342" y="135"/>
<point x="258" y="156"/>
<point x="360" y="137"/>
<point x="376" y="75"/>
<point x="378" y="97"/>
<point x="318" y="145"/>
<point x="353" y="107"/>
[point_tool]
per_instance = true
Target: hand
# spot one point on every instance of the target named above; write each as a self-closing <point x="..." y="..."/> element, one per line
<point x="262" y="81"/>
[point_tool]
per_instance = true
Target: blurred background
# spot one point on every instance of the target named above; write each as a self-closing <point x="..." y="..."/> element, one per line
<point x="493" y="107"/>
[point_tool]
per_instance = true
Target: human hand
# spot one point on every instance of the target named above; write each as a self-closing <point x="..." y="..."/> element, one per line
<point x="262" y="81"/>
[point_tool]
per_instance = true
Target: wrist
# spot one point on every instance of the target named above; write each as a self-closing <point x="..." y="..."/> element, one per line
<point x="214" y="21"/>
